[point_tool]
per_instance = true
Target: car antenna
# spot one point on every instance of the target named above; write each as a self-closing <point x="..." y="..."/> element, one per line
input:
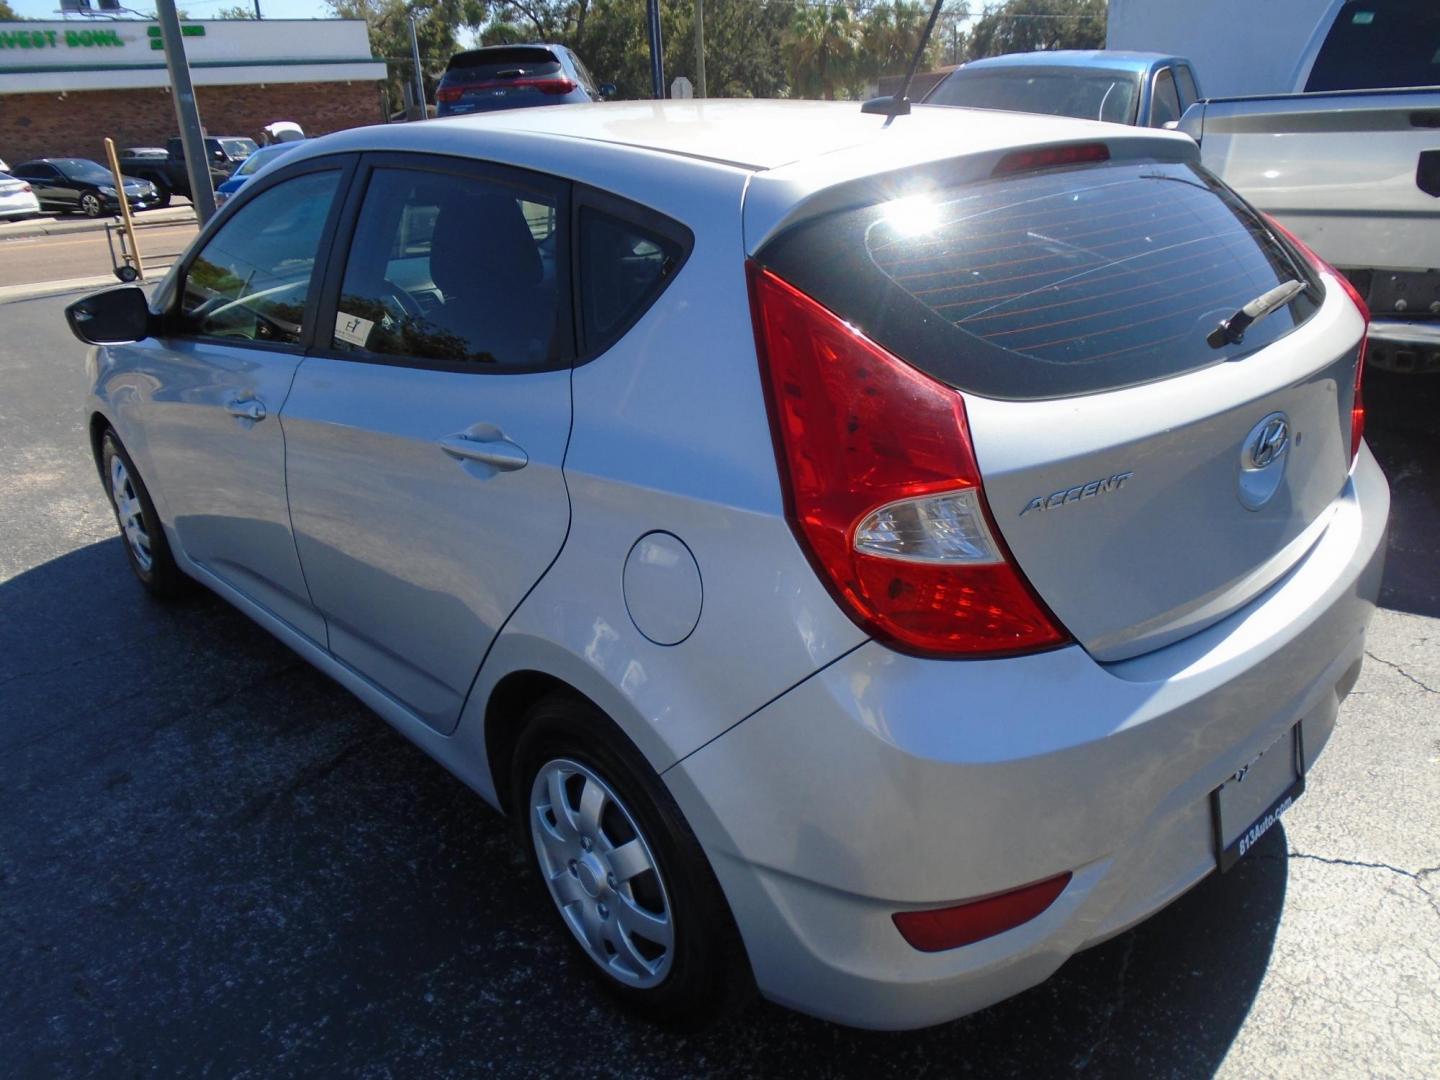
<point x="899" y="104"/>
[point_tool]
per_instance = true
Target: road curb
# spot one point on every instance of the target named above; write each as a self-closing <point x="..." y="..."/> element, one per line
<point x="50" y="226"/>
<point x="9" y="294"/>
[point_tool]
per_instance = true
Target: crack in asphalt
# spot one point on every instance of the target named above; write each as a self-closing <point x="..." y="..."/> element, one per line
<point x="1417" y="877"/>
<point x="1402" y="671"/>
<point x="1113" y="1009"/>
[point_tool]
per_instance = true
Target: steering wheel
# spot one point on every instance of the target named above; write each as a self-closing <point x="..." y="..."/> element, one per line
<point x="397" y="298"/>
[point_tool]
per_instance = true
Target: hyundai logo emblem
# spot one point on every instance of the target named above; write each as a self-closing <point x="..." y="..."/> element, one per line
<point x="1262" y="460"/>
<point x="1269" y="440"/>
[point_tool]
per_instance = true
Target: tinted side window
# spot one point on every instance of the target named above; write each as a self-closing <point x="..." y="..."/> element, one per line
<point x="623" y="268"/>
<point x="453" y="268"/>
<point x="1189" y="92"/>
<point x="1380" y="43"/>
<point x="252" y="279"/>
<point x="1165" y="102"/>
<point x="175" y="148"/>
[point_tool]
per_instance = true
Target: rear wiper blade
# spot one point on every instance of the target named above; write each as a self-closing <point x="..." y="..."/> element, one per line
<point x="1231" y="331"/>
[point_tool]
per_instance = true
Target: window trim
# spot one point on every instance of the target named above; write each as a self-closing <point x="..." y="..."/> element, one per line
<point x="545" y="184"/>
<point x="171" y="325"/>
<point x="642" y="217"/>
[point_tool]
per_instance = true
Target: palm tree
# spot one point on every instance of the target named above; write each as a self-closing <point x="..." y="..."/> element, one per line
<point x="821" y="51"/>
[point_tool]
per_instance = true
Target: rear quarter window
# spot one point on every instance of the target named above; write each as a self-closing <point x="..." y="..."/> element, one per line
<point x="1050" y="284"/>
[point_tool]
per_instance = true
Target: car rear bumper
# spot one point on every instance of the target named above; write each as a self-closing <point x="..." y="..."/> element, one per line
<point x="887" y="782"/>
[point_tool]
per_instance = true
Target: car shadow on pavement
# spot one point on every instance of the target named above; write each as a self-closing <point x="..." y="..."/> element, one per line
<point x="1402" y="426"/>
<point x="214" y="858"/>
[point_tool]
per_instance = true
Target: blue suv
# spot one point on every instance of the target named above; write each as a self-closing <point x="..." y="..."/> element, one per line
<point x="515" y="77"/>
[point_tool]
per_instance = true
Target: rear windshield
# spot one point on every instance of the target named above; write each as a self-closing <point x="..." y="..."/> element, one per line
<point x="494" y="63"/>
<point x="1051" y="284"/>
<point x="1088" y="94"/>
<point x="1380" y="43"/>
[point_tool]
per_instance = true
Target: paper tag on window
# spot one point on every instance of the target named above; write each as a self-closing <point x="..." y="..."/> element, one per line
<point x="352" y="329"/>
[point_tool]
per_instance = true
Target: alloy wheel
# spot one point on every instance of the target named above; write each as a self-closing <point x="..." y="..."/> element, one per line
<point x="90" y="205"/>
<point x="602" y="873"/>
<point x="128" y="510"/>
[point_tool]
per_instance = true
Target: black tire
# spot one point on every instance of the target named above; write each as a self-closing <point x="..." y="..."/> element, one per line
<point x="91" y="205"/>
<point x="162" y="578"/>
<point x="162" y="196"/>
<point x="708" y="976"/>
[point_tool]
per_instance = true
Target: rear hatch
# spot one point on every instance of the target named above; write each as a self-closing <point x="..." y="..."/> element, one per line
<point x="1145" y="483"/>
<point x="502" y="78"/>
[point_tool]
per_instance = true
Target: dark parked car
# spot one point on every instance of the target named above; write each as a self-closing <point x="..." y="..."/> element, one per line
<point x="166" y="168"/>
<point x="1144" y="89"/>
<point x="515" y="77"/>
<point x="67" y="184"/>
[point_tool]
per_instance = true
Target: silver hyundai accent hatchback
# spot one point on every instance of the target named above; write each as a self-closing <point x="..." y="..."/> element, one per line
<point x="873" y="559"/>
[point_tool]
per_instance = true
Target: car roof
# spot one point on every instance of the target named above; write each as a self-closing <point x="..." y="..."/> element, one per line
<point x="1096" y="58"/>
<point x="755" y="135"/>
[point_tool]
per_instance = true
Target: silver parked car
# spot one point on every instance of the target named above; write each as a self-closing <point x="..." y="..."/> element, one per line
<point x="872" y="560"/>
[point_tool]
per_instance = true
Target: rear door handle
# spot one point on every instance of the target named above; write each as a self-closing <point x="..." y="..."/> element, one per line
<point x="499" y="453"/>
<point x="247" y="409"/>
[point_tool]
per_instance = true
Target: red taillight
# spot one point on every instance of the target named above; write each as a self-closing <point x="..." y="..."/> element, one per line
<point x="882" y="488"/>
<point x="965" y="924"/>
<point x="1049" y="157"/>
<point x="1357" y="407"/>
<point x="546" y="84"/>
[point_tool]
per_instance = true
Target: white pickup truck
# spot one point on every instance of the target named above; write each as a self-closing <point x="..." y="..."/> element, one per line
<point x="1351" y="163"/>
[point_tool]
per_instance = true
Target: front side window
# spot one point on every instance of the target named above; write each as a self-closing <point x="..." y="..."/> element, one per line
<point x="252" y="279"/>
<point x="1165" y="108"/>
<point x="455" y="269"/>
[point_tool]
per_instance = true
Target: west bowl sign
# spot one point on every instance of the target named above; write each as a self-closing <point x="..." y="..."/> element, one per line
<point x="68" y="39"/>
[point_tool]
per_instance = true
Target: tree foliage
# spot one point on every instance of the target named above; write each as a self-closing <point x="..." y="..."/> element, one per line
<point x="239" y="11"/>
<point x="7" y="13"/>
<point x="1031" y="25"/>
<point x="753" y="48"/>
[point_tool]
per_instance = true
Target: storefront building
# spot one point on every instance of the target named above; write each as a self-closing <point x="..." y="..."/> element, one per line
<point x="65" y="86"/>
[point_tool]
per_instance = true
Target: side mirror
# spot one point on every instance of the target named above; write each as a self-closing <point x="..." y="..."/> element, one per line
<point x="1170" y="125"/>
<point x="113" y="317"/>
<point x="607" y="90"/>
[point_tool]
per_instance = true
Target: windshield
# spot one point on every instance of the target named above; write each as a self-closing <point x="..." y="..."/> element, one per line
<point x="239" y="149"/>
<point x="1088" y="93"/>
<point x="1380" y="43"/>
<point x="257" y="161"/>
<point x="1048" y="284"/>
<point x="83" y="169"/>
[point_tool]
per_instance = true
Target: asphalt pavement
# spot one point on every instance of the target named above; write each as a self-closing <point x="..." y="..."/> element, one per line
<point x="214" y="861"/>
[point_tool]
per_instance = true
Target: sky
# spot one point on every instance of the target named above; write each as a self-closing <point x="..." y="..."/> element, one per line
<point x="198" y="9"/>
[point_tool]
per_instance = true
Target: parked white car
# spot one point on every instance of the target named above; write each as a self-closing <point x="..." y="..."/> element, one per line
<point x="865" y="555"/>
<point x="17" y="198"/>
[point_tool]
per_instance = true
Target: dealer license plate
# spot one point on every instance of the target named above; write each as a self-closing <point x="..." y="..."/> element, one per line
<point x="1246" y="806"/>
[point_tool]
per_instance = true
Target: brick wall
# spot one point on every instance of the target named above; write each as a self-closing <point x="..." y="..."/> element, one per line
<point x="43" y="125"/>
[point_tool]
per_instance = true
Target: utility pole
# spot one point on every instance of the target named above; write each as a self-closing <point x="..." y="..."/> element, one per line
<point x="419" y="75"/>
<point x="657" y="50"/>
<point x="699" y="48"/>
<point x="257" y="10"/>
<point x="187" y="114"/>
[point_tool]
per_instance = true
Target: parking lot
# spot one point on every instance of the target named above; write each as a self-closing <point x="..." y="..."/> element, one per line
<point x="213" y="861"/>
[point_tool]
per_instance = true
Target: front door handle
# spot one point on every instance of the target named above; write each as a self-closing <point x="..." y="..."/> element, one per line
<point x="499" y="453"/>
<point x="247" y="409"/>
